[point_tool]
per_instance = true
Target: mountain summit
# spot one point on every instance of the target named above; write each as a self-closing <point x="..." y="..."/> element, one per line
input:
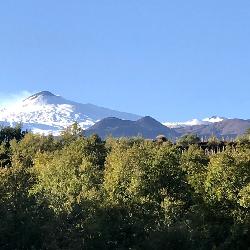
<point x="42" y="93"/>
<point x="43" y="97"/>
<point x="45" y="112"/>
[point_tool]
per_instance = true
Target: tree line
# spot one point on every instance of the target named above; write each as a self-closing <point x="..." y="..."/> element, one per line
<point x="73" y="192"/>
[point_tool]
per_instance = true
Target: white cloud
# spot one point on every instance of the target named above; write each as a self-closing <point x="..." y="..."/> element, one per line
<point x="10" y="99"/>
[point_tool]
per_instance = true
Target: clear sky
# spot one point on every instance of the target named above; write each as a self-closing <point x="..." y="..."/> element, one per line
<point x="173" y="60"/>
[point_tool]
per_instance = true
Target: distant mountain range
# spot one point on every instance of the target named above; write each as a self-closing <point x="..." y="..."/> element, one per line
<point x="227" y="128"/>
<point x="149" y="128"/>
<point x="47" y="113"/>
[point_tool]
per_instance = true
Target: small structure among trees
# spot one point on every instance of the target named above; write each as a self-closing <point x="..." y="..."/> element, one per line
<point x="161" y="138"/>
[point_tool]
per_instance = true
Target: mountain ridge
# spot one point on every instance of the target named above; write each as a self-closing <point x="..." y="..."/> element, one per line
<point x="45" y="113"/>
<point x="146" y="127"/>
<point x="226" y="128"/>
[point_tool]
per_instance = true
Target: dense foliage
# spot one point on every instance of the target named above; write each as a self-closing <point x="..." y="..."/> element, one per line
<point x="74" y="192"/>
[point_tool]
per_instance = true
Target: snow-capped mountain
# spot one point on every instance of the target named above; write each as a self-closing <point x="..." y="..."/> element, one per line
<point x="47" y="113"/>
<point x="194" y="122"/>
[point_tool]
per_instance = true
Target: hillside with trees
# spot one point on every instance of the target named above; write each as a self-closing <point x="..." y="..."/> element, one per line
<point x="77" y="192"/>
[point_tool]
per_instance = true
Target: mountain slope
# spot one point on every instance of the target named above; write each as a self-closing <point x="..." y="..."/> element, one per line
<point x="46" y="113"/>
<point x="146" y="127"/>
<point x="226" y="128"/>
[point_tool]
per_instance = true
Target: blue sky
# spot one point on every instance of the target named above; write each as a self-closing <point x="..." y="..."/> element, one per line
<point x="173" y="60"/>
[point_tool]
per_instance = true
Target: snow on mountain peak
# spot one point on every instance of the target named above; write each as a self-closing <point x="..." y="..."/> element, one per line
<point x="41" y="93"/>
<point x="44" y="112"/>
<point x="47" y="113"/>
<point x="43" y="98"/>
<point x="194" y="122"/>
<point x="214" y="119"/>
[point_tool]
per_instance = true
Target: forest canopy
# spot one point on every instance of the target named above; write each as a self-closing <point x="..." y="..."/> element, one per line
<point x="74" y="192"/>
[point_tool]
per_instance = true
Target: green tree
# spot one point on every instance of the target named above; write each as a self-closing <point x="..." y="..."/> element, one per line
<point x="70" y="181"/>
<point x="23" y="224"/>
<point x="146" y="180"/>
<point x="24" y="151"/>
<point x="9" y="133"/>
<point x="195" y="163"/>
<point x="71" y="133"/>
<point x="69" y="174"/>
<point x="187" y="140"/>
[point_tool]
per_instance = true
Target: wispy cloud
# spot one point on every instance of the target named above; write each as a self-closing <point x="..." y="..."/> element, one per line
<point x="9" y="99"/>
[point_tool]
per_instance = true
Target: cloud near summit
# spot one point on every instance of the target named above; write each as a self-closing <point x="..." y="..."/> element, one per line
<point x="7" y="99"/>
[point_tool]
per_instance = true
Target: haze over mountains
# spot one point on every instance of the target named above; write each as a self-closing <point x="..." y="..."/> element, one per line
<point x="47" y="113"/>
